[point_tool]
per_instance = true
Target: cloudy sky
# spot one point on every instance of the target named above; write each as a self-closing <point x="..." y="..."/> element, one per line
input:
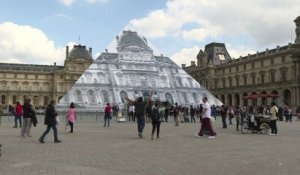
<point x="36" y="32"/>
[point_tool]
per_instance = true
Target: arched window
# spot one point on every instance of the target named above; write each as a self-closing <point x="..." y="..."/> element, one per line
<point x="195" y="96"/>
<point x="91" y="97"/>
<point x="190" y="80"/>
<point x="14" y="99"/>
<point x="46" y="100"/>
<point x="164" y="81"/>
<point x="60" y="98"/>
<point x="3" y="99"/>
<point x="120" y="78"/>
<point x="78" y="96"/>
<point x="123" y="94"/>
<point x="36" y="101"/>
<point x="185" y="97"/>
<point x="169" y="98"/>
<point x="143" y="81"/>
<point x="179" y="81"/>
<point x="101" y="77"/>
<point x="104" y="95"/>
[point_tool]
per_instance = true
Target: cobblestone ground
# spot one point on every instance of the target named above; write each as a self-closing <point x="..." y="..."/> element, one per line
<point x="93" y="149"/>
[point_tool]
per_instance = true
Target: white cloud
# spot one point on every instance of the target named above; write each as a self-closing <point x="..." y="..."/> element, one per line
<point x="71" y="2"/>
<point x="66" y="2"/>
<point x="25" y="44"/>
<point x="264" y="22"/>
<point x="185" y="56"/>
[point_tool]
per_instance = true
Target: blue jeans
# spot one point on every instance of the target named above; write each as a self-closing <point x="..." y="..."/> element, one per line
<point x="47" y="131"/>
<point x="18" y="117"/>
<point x="140" y="123"/>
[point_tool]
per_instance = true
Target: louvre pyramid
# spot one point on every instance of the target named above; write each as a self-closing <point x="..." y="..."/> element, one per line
<point x="132" y="69"/>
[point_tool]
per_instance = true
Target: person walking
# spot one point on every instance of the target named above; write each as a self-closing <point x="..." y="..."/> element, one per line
<point x="50" y="121"/>
<point x="273" y="117"/>
<point x="192" y="113"/>
<point x="206" y="125"/>
<point x="156" y="119"/>
<point x="237" y="114"/>
<point x="107" y="115"/>
<point x="176" y="110"/>
<point x="223" y="113"/>
<point x="140" y="109"/>
<point x="18" y="115"/>
<point x="131" y="113"/>
<point x="72" y="116"/>
<point x="166" y="114"/>
<point x="28" y="118"/>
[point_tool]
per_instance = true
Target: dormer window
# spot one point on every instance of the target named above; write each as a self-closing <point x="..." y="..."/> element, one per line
<point x="221" y="57"/>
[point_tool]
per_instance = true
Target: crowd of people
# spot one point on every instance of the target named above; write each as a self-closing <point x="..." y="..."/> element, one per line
<point x="145" y="110"/>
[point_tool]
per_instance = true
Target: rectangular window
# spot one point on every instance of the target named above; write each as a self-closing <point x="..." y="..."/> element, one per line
<point x="245" y="80"/>
<point x="283" y="75"/>
<point x="237" y="81"/>
<point x="262" y="78"/>
<point x="273" y="77"/>
<point x="253" y="79"/>
<point x="283" y="59"/>
<point x="272" y="61"/>
<point x="216" y="84"/>
<point x="245" y="67"/>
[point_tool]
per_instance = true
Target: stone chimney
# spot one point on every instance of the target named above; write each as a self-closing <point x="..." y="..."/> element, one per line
<point x="183" y="66"/>
<point x="117" y="38"/>
<point x="67" y="51"/>
<point x="54" y="63"/>
<point x="106" y="51"/>
<point x="90" y="50"/>
<point x="193" y="63"/>
<point x="277" y="48"/>
<point x="297" y="30"/>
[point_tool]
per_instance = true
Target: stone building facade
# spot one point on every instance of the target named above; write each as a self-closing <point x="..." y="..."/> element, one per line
<point x="254" y="79"/>
<point x="42" y="83"/>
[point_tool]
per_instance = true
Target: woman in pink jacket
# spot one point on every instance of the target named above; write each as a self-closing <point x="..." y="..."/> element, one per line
<point x="71" y="116"/>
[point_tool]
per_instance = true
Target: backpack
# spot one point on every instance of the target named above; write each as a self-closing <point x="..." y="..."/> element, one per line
<point x="155" y="115"/>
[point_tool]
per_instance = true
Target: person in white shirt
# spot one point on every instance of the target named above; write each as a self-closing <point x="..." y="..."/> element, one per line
<point x="273" y="117"/>
<point x="131" y="113"/>
<point x="206" y="125"/>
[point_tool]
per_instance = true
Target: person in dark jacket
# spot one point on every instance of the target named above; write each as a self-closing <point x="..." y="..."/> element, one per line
<point x="192" y="113"/>
<point x="28" y="118"/>
<point x="140" y="109"/>
<point x="50" y="121"/>
<point x="156" y="119"/>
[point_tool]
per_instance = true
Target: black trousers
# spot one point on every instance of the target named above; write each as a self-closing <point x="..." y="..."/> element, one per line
<point x="273" y="126"/>
<point x="71" y="125"/>
<point x="193" y="118"/>
<point x="224" y="121"/>
<point x="156" y="126"/>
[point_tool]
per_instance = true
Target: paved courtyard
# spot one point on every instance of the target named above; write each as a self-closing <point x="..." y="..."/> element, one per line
<point x="117" y="150"/>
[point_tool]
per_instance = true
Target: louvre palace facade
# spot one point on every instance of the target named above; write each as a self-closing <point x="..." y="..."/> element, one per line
<point x="254" y="79"/>
<point x="42" y="83"/>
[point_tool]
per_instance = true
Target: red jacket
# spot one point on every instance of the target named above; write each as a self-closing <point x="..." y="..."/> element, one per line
<point x="108" y="109"/>
<point x="19" y="110"/>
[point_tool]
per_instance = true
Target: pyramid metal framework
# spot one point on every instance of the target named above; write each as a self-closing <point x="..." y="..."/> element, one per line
<point x="133" y="70"/>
